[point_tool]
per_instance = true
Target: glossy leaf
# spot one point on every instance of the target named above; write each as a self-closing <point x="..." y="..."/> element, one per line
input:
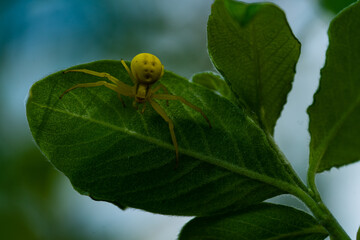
<point x="335" y="113"/>
<point x="263" y="221"/>
<point x="253" y="47"/>
<point x="119" y="155"/>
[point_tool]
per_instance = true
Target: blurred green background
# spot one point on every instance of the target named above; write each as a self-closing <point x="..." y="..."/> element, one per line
<point x="39" y="37"/>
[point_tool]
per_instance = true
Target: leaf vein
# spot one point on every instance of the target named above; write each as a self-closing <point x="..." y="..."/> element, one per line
<point x="285" y="186"/>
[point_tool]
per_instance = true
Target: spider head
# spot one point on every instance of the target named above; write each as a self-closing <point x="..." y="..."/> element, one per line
<point x="146" y="68"/>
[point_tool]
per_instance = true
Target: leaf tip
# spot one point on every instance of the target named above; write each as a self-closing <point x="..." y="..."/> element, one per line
<point x="242" y="12"/>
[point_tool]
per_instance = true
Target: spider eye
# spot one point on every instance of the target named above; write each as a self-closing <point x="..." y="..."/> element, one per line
<point x="146" y="68"/>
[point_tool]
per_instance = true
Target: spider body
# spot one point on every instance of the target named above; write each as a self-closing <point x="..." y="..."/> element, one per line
<point x="146" y="69"/>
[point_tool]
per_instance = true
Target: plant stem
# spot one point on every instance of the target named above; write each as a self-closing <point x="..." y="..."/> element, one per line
<point x="323" y="215"/>
<point x="288" y="166"/>
<point x="311" y="197"/>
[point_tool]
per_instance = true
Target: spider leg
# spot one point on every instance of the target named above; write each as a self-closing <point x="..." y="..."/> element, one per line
<point x="181" y="99"/>
<point x="105" y="75"/>
<point x="162" y="71"/>
<point x="143" y="109"/>
<point x="135" y="105"/>
<point x="97" y="84"/>
<point x="128" y="71"/>
<point x="163" y="114"/>
<point x="121" y="100"/>
<point x="161" y="86"/>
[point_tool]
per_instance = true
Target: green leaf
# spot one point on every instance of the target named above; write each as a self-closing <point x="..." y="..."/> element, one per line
<point x="253" y="47"/>
<point x="263" y="221"/>
<point x="335" y="6"/>
<point x="216" y="83"/>
<point x="335" y="113"/>
<point x="119" y="155"/>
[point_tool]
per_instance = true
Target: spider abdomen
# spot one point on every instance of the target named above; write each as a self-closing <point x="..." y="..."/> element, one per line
<point x="146" y="68"/>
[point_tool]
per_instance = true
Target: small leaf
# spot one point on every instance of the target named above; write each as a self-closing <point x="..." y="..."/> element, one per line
<point x="214" y="82"/>
<point x="263" y="221"/>
<point x="253" y="47"/>
<point x="119" y="155"/>
<point x="335" y="113"/>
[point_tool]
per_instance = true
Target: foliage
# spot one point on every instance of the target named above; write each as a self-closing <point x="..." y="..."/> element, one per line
<point x="119" y="155"/>
<point x="262" y="221"/>
<point x="334" y="115"/>
<point x="261" y="70"/>
<point x="335" y="6"/>
<point x="95" y="142"/>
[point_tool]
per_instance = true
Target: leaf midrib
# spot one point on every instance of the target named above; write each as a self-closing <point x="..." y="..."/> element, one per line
<point x="258" y="77"/>
<point x="284" y="186"/>
<point x="304" y="231"/>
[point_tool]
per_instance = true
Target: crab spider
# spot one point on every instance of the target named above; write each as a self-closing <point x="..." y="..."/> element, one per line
<point x="146" y="69"/>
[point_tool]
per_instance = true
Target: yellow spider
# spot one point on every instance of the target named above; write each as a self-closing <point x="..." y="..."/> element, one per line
<point x="146" y="69"/>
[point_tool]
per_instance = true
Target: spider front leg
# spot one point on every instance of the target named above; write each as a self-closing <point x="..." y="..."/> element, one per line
<point x="128" y="71"/>
<point x="181" y="99"/>
<point x="117" y="82"/>
<point x="94" y="73"/>
<point x="163" y="114"/>
<point x="97" y="84"/>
